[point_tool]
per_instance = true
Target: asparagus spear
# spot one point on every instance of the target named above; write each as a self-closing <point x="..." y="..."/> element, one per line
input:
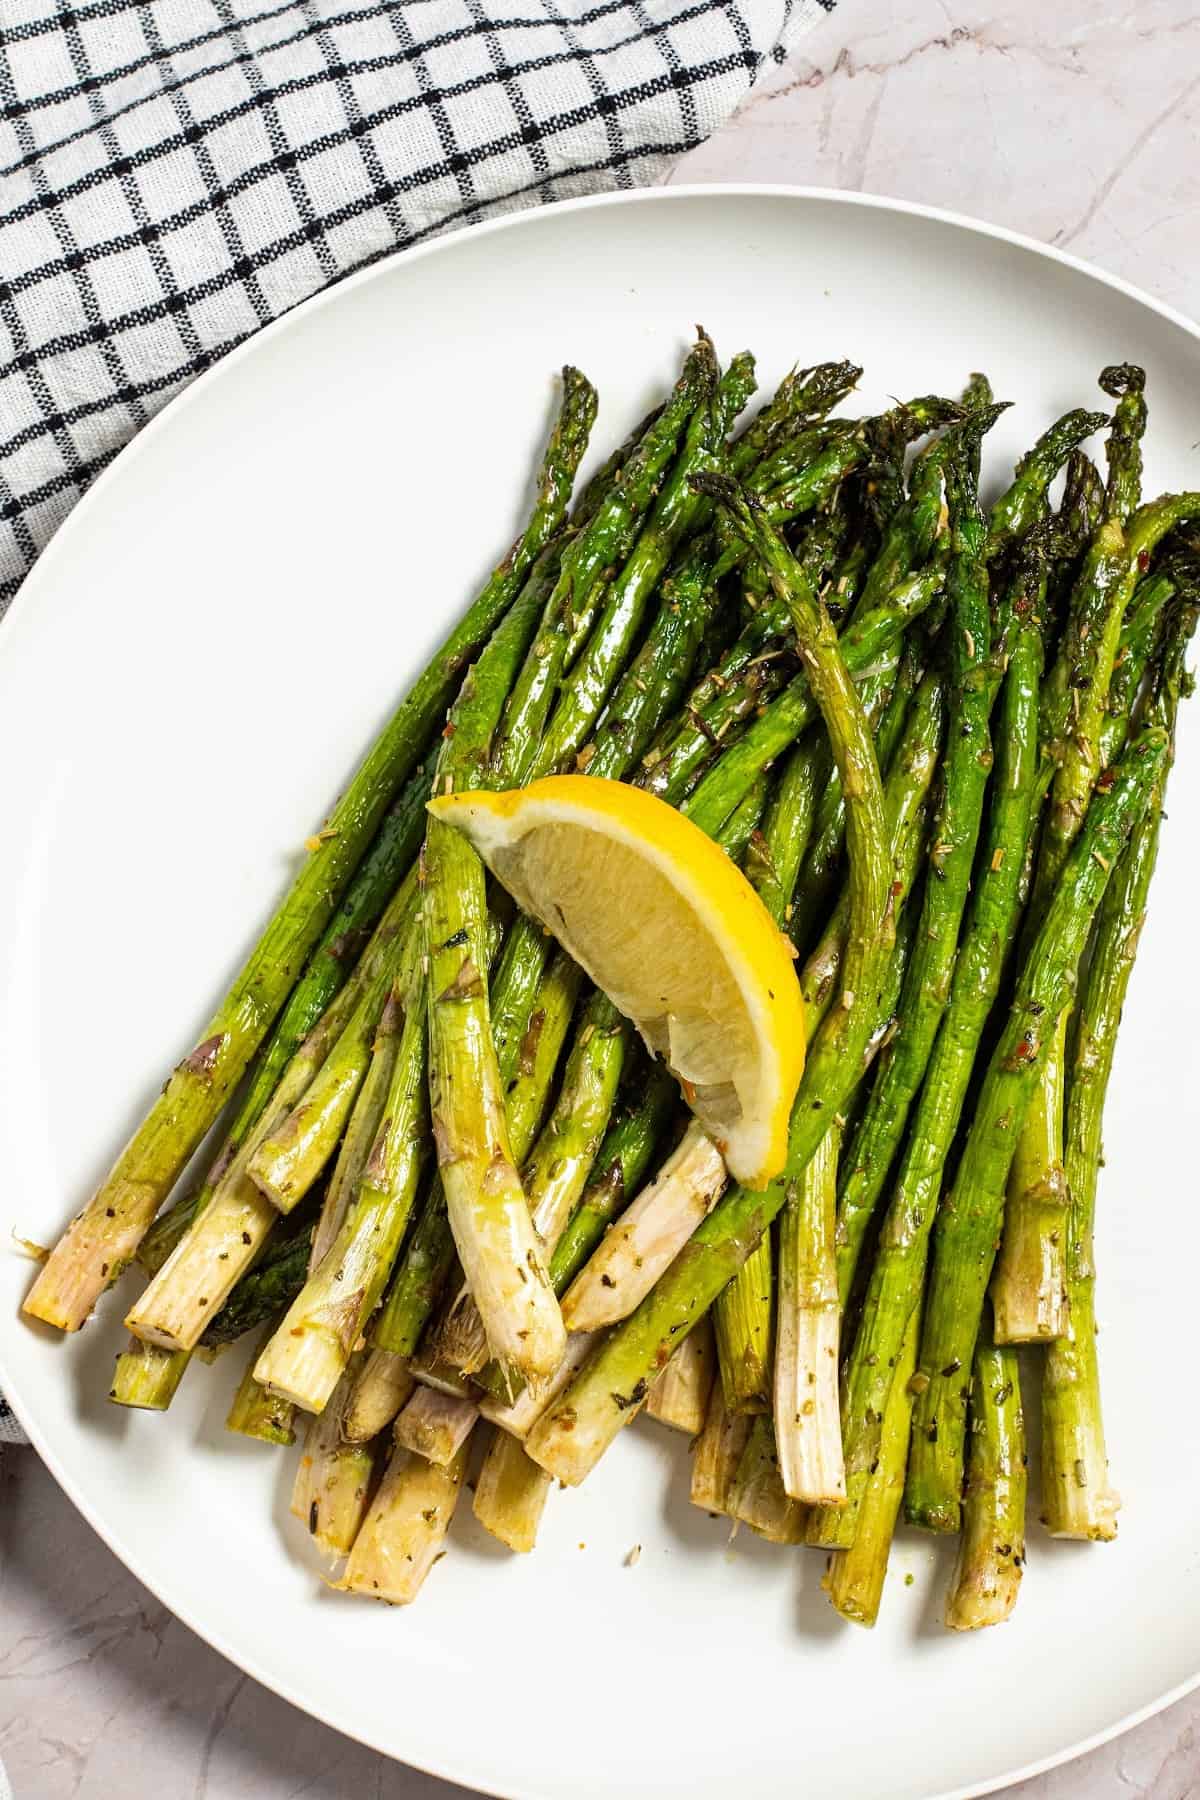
<point x="333" y="1483"/>
<point x="1029" y="1294"/>
<point x="223" y="1242"/>
<point x="290" y="1157"/>
<point x="435" y="1425"/>
<point x="619" y="1169"/>
<point x="649" y="1235"/>
<point x="402" y="1536"/>
<point x="510" y="1495"/>
<point x="485" y="1203"/>
<point x="605" y="540"/>
<point x="100" y="1241"/>
<point x="744" y="1319"/>
<point x="329" y="967"/>
<point x="1078" y="1499"/>
<point x="898" y="1273"/>
<point x="147" y="1376"/>
<point x="808" y="1435"/>
<point x="718" y="1453"/>
<point x="679" y="1397"/>
<point x="757" y="1496"/>
<point x="991" y="1550"/>
<point x="457" y="1337"/>
<point x="967" y="1226"/>
<point x="964" y="780"/>
<point x="674" y="513"/>
<point x="255" y="1413"/>
<point x="573" y="1434"/>
<point x="726" y="783"/>
<point x="384" y="1384"/>
<point x="327" y="1317"/>
<point x="855" y="1576"/>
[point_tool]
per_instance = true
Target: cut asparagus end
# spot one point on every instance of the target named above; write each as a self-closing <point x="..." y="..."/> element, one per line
<point x="855" y="1576"/>
<point x="303" y="1364"/>
<point x="743" y="1317"/>
<point x="679" y="1397"/>
<point x="808" y="1430"/>
<point x="1078" y="1499"/>
<point x="758" y="1498"/>
<point x="991" y="1551"/>
<point x="1029" y="1286"/>
<point x="255" y="1413"/>
<point x="93" y="1251"/>
<point x="806" y="1410"/>
<point x="518" y="1417"/>
<point x="718" y="1453"/>
<point x="147" y="1376"/>
<point x="510" y="1495"/>
<point x="383" y="1386"/>
<point x="333" y="1482"/>
<point x="649" y="1235"/>
<point x="435" y="1372"/>
<point x="402" y="1536"/>
<point x="435" y="1426"/>
<point x="200" y="1273"/>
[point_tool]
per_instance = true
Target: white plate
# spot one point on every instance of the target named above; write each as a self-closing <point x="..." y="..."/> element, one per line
<point x="194" y="665"/>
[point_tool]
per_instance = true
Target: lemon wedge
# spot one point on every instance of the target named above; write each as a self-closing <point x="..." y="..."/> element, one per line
<point x="673" y="933"/>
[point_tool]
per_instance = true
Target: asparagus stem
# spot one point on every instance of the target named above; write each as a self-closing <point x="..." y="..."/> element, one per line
<point x="855" y="1576"/>
<point x="573" y="1434"/>
<point x="264" y="1293"/>
<point x="228" y="1235"/>
<point x="519" y="1413"/>
<point x="621" y="1165"/>
<point x="967" y="1226"/>
<point x="402" y="1536"/>
<point x="605" y="540"/>
<point x="673" y="514"/>
<point x="808" y="1435"/>
<point x="679" y="1397"/>
<point x="1078" y="1499"/>
<point x="898" y="1273"/>
<point x="1028" y="1292"/>
<point x="1029" y="1295"/>
<point x="329" y="968"/>
<point x="965" y="772"/>
<point x="906" y="805"/>
<point x="510" y="1495"/>
<point x="485" y="1203"/>
<point x="100" y="1241"/>
<point x="757" y="1497"/>
<point x="727" y="782"/>
<point x="312" y="1346"/>
<point x="649" y="1236"/>
<point x="147" y="1376"/>
<point x="255" y="1413"/>
<point x="333" y="1482"/>
<point x="458" y="1336"/>
<point x="991" y="1551"/>
<point x="435" y="1425"/>
<point x="718" y="1453"/>
<point x="384" y="1385"/>
<point x="744" y="1317"/>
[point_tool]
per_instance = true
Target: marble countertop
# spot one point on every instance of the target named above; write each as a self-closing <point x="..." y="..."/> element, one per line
<point x="947" y="107"/>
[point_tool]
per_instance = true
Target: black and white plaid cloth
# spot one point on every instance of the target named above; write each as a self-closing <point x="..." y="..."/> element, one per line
<point x="176" y="173"/>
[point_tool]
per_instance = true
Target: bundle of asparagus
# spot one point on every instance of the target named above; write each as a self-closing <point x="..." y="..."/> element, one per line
<point x="935" y="740"/>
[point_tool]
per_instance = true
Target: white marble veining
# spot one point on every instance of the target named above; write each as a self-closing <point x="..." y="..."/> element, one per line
<point x="1076" y="123"/>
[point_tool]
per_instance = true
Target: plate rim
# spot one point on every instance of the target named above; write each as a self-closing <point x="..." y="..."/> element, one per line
<point x="43" y="571"/>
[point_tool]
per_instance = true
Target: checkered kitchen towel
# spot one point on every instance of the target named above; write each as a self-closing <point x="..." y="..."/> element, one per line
<point x="176" y="173"/>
